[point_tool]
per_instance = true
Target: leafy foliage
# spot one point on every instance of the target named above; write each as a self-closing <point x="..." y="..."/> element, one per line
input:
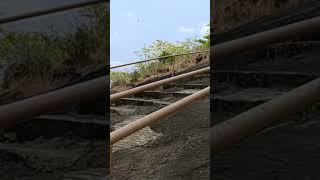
<point x="120" y="78"/>
<point x="161" y="48"/>
<point x="41" y="51"/>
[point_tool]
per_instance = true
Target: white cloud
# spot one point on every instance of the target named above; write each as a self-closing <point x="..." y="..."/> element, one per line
<point x="130" y="14"/>
<point x="204" y="30"/>
<point x="116" y="34"/>
<point x="186" y="30"/>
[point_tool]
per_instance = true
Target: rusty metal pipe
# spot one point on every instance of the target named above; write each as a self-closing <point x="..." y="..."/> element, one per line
<point x="248" y="123"/>
<point x="264" y="38"/>
<point x="153" y="59"/>
<point x="13" y="113"/>
<point x="118" y="96"/>
<point x="131" y="128"/>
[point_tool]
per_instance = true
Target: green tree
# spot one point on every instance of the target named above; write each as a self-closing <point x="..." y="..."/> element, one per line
<point x="160" y="48"/>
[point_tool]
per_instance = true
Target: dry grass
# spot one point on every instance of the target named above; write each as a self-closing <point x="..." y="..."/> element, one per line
<point x="32" y="86"/>
<point x="159" y="68"/>
<point x="193" y="59"/>
<point x="116" y="89"/>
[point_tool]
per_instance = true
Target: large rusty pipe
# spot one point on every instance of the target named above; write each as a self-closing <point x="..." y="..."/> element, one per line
<point x="264" y="38"/>
<point x="130" y="92"/>
<point x="148" y="120"/>
<point x="274" y="111"/>
<point x="13" y="113"/>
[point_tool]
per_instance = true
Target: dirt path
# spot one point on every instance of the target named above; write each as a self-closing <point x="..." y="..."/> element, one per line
<point x="180" y="151"/>
<point x="289" y="151"/>
<point x="53" y="159"/>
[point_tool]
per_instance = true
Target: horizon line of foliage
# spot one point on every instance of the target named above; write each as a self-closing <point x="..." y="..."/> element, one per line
<point x="159" y="48"/>
<point x="43" y="53"/>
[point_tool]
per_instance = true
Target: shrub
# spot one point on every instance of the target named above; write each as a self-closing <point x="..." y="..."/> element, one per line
<point x="120" y="78"/>
<point x="46" y="55"/>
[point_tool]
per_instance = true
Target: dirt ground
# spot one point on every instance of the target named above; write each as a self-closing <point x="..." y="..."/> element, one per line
<point x="52" y="159"/>
<point x="54" y="149"/>
<point x="286" y="152"/>
<point x="289" y="151"/>
<point x="180" y="152"/>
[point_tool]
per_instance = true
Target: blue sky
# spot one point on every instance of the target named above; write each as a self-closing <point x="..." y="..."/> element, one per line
<point x="135" y="23"/>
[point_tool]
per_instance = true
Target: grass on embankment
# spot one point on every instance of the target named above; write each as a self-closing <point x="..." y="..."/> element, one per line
<point x="144" y="71"/>
<point x="36" y="62"/>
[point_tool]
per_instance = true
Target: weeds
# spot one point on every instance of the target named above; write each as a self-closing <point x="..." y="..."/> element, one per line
<point x="43" y="58"/>
<point x="120" y="78"/>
